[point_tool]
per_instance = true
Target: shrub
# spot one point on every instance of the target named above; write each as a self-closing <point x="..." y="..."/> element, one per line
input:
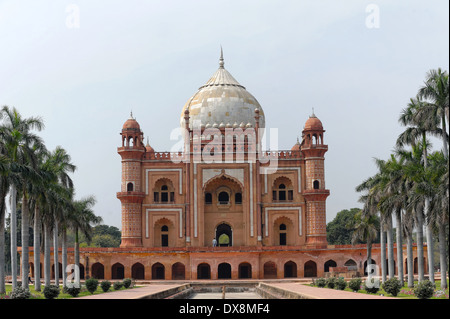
<point x="424" y="289"/>
<point x="117" y="285"/>
<point x="341" y="284"/>
<point x="20" y="293"/>
<point x="331" y="282"/>
<point x="51" y="292"/>
<point x="392" y="286"/>
<point x="127" y="282"/>
<point x="73" y="291"/>
<point x="321" y="282"/>
<point x="91" y="285"/>
<point x="373" y="289"/>
<point x="105" y="285"/>
<point x="355" y="284"/>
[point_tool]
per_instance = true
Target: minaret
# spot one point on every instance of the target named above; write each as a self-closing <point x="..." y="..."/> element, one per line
<point x="315" y="194"/>
<point x="131" y="194"/>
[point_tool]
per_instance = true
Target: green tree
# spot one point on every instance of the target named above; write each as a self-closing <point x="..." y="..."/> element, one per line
<point x="365" y="229"/>
<point x="417" y="130"/>
<point x="339" y="230"/>
<point x="436" y="106"/>
<point x="82" y="218"/>
<point x="19" y="144"/>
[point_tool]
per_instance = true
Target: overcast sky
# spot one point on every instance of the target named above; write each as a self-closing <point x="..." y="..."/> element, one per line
<point x="83" y="65"/>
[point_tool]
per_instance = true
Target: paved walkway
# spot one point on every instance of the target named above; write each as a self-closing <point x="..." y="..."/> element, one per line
<point x="134" y="293"/>
<point x="228" y="295"/>
<point x="323" y="293"/>
<point x="293" y="287"/>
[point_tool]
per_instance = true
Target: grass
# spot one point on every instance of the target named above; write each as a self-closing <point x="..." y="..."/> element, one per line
<point x="405" y="292"/>
<point x="40" y="294"/>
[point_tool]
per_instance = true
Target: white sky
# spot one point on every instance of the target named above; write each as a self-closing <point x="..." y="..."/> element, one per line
<point x="151" y="56"/>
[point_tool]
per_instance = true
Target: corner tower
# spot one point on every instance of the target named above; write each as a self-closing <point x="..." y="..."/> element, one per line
<point x="313" y="150"/>
<point x="131" y="193"/>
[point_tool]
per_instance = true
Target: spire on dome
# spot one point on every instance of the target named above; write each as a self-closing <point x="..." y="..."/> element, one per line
<point x="221" y="62"/>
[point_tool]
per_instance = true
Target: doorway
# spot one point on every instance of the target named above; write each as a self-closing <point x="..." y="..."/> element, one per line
<point x="224" y="235"/>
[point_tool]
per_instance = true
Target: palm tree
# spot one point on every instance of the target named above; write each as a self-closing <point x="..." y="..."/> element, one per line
<point x="8" y="171"/>
<point x="376" y="188"/>
<point x="408" y="227"/>
<point x="415" y="174"/>
<point x="395" y="199"/>
<point x="61" y="166"/>
<point x="3" y="190"/>
<point x="81" y="218"/>
<point x="26" y="189"/>
<point x="19" y="142"/>
<point x="436" y="109"/>
<point x="365" y="229"/>
<point x="435" y="186"/>
<point x="415" y="133"/>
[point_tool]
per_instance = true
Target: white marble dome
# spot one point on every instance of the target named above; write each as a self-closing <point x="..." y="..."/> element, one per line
<point x="222" y="101"/>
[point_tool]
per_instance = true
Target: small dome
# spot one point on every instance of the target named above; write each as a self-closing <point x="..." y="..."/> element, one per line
<point x="313" y="124"/>
<point x="296" y="147"/>
<point x="131" y="124"/>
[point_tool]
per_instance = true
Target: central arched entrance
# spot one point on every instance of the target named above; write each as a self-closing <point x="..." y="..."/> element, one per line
<point x="223" y="211"/>
<point x="224" y="235"/>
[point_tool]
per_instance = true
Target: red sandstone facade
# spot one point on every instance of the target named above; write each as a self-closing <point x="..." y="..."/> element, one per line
<point x="267" y="223"/>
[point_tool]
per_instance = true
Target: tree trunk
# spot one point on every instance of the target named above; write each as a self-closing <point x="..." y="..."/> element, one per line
<point x="55" y="253"/>
<point x="369" y="257"/>
<point x="420" y="264"/>
<point x="77" y="257"/>
<point x="25" y="240"/>
<point x="2" y="248"/>
<point x="429" y="233"/>
<point x="409" y="252"/>
<point x="399" y="247"/>
<point x="64" y="255"/>
<point x="390" y="242"/>
<point x="37" y="249"/>
<point x="443" y="255"/>
<point x="383" y="254"/>
<point x="430" y="252"/>
<point x="47" y="266"/>
<point x="444" y="137"/>
<point x="13" y="225"/>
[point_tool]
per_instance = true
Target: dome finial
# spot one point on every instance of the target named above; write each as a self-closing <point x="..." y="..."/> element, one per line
<point x="313" y="115"/>
<point x="221" y="62"/>
<point x="131" y="114"/>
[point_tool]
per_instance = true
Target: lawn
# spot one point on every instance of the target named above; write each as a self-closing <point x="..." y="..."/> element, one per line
<point x="405" y="292"/>
<point x="40" y="294"/>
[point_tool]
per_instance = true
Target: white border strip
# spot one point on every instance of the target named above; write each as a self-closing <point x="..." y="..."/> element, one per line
<point x="195" y="200"/>
<point x="251" y="199"/>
